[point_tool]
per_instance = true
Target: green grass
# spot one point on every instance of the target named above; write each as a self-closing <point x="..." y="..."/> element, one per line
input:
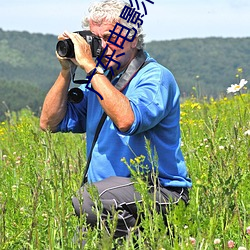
<point x="40" y="172"/>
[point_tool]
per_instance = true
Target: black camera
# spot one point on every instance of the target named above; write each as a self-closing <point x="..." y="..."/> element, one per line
<point x="65" y="48"/>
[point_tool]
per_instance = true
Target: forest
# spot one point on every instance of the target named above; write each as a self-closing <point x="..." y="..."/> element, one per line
<point x="202" y="67"/>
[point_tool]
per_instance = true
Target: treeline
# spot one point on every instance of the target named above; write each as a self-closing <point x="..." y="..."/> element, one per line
<point x="210" y="64"/>
<point x="204" y="67"/>
<point x="28" y="68"/>
<point x="16" y="95"/>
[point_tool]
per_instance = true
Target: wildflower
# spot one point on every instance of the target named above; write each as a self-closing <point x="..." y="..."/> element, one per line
<point x="237" y="87"/>
<point x="198" y="182"/>
<point x="230" y="244"/>
<point x="247" y="133"/>
<point x="123" y="160"/>
<point x="137" y="159"/>
<point x="22" y="210"/>
<point x="14" y="188"/>
<point x="221" y="147"/>
<point x="248" y="230"/>
<point x="240" y="70"/>
<point x="45" y="216"/>
<point x="242" y="248"/>
<point x="216" y="241"/>
<point x="132" y="162"/>
<point x="195" y="106"/>
<point x="192" y="240"/>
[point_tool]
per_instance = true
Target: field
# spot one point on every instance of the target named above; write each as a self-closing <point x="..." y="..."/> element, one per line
<point x="40" y="172"/>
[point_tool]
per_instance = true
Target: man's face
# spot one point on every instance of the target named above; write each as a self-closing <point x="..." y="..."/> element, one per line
<point x="129" y="48"/>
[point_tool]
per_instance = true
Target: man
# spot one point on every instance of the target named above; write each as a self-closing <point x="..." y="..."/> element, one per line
<point x="141" y="100"/>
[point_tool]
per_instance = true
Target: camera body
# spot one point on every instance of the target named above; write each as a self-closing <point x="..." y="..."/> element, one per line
<point x="65" y="48"/>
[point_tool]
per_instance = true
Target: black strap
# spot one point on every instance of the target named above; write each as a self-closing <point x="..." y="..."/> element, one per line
<point x="137" y="63"/>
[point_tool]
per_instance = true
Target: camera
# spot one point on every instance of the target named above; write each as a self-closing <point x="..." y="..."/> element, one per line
<point x="65" y="48"/>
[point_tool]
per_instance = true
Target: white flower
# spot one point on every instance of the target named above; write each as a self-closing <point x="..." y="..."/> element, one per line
<point x="192" y="240"/>
<point x="22" y="210"/>
<point x="217" y="241"/>
<point x="247" y="133"/>
<point x="237" y="87"/>
<point x="242" y="248"/>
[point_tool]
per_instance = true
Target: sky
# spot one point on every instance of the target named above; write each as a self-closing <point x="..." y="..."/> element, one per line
<point x="165" y="19"/>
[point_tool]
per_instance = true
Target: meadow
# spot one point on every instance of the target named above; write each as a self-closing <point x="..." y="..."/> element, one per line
<point x="40" y="172"/>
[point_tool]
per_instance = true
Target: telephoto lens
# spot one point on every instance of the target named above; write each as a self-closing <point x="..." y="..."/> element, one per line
<point x="65" y="48"/>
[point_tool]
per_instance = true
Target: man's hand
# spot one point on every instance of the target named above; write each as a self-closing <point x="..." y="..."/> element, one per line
<point x="83" y="54"/>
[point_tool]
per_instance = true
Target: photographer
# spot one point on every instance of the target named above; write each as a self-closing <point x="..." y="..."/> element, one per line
<point x="141" y="101"/>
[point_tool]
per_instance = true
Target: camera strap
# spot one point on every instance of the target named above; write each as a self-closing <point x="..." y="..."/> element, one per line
<point x="136" y="64"/>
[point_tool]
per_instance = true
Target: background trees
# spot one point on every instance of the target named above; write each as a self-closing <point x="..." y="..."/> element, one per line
<point x="202" y="67"/>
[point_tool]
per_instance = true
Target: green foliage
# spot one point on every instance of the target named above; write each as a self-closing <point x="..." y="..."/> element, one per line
<point x="28" y="58"/>
<point x="36" y="184"/>
<point x="28" y="68"/>
<point x="14" y="95"/>
<point x="40" y="172"/>
<point x="203" y="67"/>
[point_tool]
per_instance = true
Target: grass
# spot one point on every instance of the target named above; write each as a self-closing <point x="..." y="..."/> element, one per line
<point x="40" y="172"/>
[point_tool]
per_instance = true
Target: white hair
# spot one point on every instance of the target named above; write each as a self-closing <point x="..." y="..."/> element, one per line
<point x="110" y="10"/>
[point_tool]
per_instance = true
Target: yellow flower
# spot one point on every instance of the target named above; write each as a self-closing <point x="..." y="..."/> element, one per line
<point x="132" y="162"/>
<point x="138" y="160"/>
<point x="195" y="105"/>
<point x="240" y="70"/>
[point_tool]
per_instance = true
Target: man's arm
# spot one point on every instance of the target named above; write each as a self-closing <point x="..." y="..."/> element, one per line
<point x="115" y="104"/>
<point x="55" y="103"/>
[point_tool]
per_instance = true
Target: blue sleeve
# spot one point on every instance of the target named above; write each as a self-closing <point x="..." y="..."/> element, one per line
<point x="152" y="98"/>
<point x="75" y="117"/>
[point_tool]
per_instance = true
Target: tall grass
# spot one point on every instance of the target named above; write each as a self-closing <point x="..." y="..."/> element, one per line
<point x="40" y="172"/>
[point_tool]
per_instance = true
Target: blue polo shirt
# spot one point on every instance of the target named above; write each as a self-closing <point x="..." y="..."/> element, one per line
<point x="154" y="97"/>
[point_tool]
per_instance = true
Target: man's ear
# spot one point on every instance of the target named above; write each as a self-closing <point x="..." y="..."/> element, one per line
<point x="134" y="43"/>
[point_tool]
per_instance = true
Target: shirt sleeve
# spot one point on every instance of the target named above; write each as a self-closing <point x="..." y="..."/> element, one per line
<point x="154" y="96"/>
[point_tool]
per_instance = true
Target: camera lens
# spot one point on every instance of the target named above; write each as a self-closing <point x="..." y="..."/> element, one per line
<point x="75" y="95"/>
<point x="65" y="48"/>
